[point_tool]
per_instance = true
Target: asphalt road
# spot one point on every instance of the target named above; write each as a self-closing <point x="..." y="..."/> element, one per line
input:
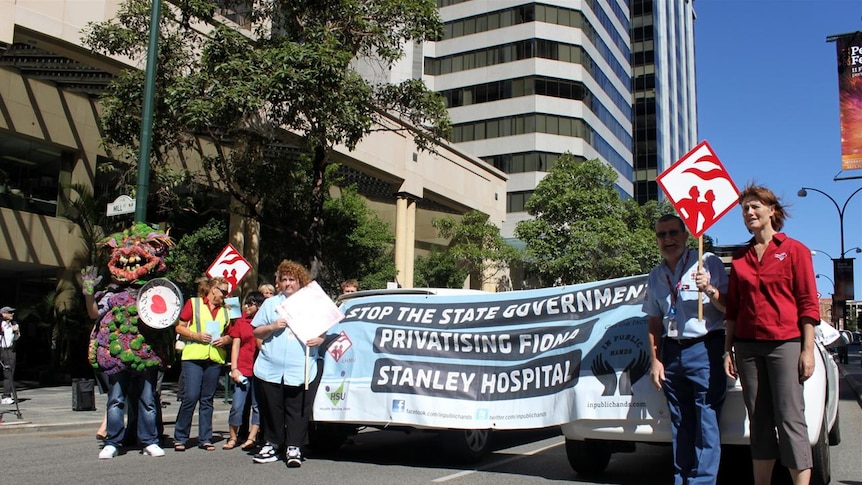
<point x="377" y="457"/>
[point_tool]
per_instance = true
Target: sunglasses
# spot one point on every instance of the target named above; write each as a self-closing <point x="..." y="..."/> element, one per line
<point x="223" y="292"/>
<point x="671" y="233"/>
<point x="250" y="304"/>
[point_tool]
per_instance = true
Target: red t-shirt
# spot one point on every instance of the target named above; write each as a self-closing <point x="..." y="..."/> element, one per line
<point x="241" y="328"/>
<point x="768" y="298"/>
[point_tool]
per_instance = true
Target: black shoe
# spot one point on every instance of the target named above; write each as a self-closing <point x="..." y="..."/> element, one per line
<point x="267" y="454"/>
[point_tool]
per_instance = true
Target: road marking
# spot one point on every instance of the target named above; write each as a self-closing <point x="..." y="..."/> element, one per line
<point x="515" y="457"/>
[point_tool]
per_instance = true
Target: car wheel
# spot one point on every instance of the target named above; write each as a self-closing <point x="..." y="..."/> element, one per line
<point x="821" y="472"/>
<point x="588" y="457"/>
<point x="835" y="432"/>
<point x="466" y="445"/>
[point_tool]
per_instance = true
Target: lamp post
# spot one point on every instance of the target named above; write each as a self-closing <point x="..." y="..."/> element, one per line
<point x="834" y="314"/>
<point x="842" y="267"/>
<point x="819" y="251"/>
<point x="803" y="193"/>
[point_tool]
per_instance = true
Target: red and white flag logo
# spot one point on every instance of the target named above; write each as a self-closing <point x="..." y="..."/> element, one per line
<point x="699" y="188"/>
<point x="229" y="265"/>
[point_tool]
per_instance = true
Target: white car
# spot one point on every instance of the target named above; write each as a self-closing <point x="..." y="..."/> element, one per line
<point x="590" y="442"/>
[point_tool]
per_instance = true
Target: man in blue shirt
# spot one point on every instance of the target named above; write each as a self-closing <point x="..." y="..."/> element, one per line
<point x="686" y="351"/>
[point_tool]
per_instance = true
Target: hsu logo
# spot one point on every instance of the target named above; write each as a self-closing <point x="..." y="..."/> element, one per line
<point x="336" y="396"/>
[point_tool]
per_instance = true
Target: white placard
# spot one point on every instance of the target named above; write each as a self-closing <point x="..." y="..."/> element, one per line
<point x="309" y="312"/>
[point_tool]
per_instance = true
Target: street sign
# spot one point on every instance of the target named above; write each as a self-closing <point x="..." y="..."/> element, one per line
<point x="229" y="265"/>
<point x="699" y="188"/>
<point x="121" y="205"/>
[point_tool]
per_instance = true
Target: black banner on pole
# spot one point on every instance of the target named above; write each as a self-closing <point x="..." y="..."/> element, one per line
<point x="843" y="269"/>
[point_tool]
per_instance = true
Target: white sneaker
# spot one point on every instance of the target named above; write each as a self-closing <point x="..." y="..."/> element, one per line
<point x="7" y="400"/>
<point x="108" y="452"/>
<point x="294" y="457"/>
<point x="154" y="450"/>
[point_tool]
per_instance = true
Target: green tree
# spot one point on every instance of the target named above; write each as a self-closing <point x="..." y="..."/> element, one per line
<point x="356" y="244"/>
<point x="477" y="246"/>
<point x="582" y="231"/>
<point x="439" y="269"/>
<point x="189" y="259"/>
<point x="254" y="94"/>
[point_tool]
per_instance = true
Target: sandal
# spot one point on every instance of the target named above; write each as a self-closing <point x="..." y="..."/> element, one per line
<point x="248" y="444"/>
<point x="207" y="446"/>
<point x="179" y="447"/>
<point x="231" y="444"/>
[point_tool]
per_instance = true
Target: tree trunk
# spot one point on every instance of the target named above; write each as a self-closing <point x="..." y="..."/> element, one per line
<point x="315" y="230"/>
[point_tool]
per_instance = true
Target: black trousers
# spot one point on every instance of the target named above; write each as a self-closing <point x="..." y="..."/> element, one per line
<point x="285" y="411"/>
<point x="7" y="356"/>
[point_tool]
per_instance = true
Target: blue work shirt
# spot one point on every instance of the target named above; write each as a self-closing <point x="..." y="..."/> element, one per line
<point x="663" y="282"/>
<point x="282" y="356"/>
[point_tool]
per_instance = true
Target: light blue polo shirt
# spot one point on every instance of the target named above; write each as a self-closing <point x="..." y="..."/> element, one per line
<point x="282" y="356"/>
<point x="662" y="281"/>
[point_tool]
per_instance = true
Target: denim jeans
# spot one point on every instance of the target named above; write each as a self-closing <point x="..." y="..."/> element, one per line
<point x="125" y="383"/>
<point x="200" y="381"/>
<point x="240" y="395"/>
<point x="695" y="388"/>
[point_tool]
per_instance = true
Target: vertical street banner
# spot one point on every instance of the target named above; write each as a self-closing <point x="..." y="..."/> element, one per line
<point x="511" y="360"/>
<point x="700" y="188"/>
<point x="849" y="49"/>
<point x="843" y="271"/>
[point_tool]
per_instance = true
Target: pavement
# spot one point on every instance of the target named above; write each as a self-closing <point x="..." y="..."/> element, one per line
<point x="49" y="409"/>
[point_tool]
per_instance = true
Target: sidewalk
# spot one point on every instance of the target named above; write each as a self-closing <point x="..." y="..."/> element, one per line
<point x="50" y="408"/>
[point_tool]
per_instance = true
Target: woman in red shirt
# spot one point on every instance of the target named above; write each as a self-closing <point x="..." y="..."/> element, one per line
<point x="243" y="352"/>
<point x="772" y="308"/>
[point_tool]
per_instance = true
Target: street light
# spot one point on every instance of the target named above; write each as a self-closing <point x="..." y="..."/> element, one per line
<point x="836" y="321"/>
<point x="819" y="251"/>
<point x="803" y="193"/>
<point x="842" y="267"/>
<point x="818" y="275"/>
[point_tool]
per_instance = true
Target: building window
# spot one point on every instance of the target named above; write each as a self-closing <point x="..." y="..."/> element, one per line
<point x="30" y="174"/>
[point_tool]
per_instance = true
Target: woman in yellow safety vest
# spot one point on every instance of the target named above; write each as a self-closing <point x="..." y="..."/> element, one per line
<point x="203" y="326"/>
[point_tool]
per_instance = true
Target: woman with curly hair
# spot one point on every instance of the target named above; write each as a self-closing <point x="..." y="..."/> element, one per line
<point x="280" y="372"/>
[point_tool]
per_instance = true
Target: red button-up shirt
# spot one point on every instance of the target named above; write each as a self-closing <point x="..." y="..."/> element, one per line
<point x="768" y="298"/>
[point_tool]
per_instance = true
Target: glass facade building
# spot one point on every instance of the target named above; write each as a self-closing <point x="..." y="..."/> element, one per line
<point x="665" y="105"/>
<point x="528" y="81"/>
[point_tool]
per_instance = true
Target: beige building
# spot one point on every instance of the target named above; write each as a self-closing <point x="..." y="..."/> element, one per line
<point x="49" y="138"/>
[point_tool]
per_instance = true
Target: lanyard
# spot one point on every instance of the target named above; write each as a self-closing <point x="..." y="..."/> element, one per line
<point x="675" y="289"/>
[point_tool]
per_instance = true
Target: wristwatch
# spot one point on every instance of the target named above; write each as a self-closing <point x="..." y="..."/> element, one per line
<point x="711" y="292"/>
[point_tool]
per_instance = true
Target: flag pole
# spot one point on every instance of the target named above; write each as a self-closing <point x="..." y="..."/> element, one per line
<point x="700" y="268"/>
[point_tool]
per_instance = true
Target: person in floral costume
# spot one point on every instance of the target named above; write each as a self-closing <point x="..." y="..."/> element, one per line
<point x="126" y="350"/>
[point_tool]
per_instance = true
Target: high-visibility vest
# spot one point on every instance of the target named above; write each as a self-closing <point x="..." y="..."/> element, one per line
<point x="201" y="351"/>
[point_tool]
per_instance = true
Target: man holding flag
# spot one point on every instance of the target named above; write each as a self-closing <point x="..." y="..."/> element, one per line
<point x="686" y="349"/>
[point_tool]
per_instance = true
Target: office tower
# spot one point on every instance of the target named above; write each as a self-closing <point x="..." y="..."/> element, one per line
<point x="665" y="104"/>
<point x="528" y="81"/>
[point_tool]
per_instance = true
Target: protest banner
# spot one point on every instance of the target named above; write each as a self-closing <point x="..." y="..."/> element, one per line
<point x="512" y="360"/>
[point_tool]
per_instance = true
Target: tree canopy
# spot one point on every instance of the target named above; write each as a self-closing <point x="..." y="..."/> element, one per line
<point x="583" y="231"/>
<point x="477" y="246"/>
<point x="254" y="93"/>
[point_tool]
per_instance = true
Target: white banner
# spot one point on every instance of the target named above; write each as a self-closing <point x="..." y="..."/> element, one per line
<point x="513" y="360"/>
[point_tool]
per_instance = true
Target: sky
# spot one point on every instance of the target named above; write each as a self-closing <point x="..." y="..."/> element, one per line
<point x="768" y="105"/>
